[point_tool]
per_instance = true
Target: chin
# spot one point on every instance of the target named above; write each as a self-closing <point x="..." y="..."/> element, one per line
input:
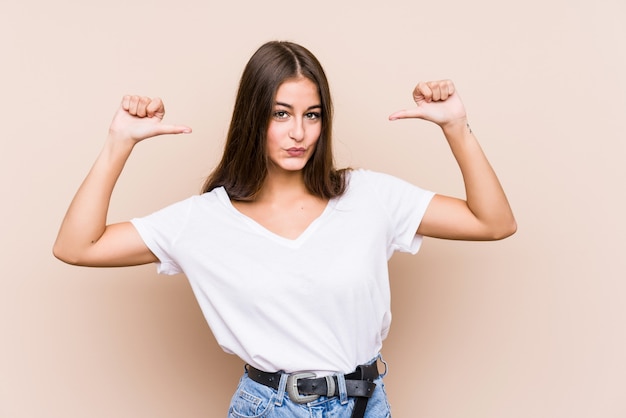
<point x="292" y="169"/>
<point x="290" y="165"/>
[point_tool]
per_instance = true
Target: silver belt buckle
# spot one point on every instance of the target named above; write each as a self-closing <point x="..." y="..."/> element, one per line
<point x="292" y="388"/>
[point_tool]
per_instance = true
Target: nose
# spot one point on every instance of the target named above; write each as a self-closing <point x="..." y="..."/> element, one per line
<point x="297" y="130"/>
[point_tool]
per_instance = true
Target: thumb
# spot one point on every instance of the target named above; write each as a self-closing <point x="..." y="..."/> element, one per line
<point x="406" y="114"/>
<point x="165" y="129"/>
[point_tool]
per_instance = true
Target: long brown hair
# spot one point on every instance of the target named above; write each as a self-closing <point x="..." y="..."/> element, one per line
<point x="243" y="167"/>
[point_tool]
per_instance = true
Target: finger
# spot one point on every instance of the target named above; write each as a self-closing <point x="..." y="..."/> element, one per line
<point x="422" y="92"/>
<point x="435" y="87"/>
<point x="405" y="114"/>
<point x="445" y="89"/>
<point x="142" y="104"/>
<point x="126" y="102"/>
<point x="450" y="87"/>
<point x="164" y="129"/>
<point x="133" y="104"/>
<point x="156" y="108"/>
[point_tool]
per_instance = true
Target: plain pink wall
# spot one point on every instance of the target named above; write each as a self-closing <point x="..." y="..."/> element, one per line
<point x="532" y="326"/>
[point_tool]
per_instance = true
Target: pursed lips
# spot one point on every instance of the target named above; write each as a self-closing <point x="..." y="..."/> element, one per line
<point x="296" y="151"/>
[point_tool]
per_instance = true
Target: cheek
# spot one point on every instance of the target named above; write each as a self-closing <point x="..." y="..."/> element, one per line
<point x="314" y="143"/>
<point x="314" y="134"/>
<point x="273" y="133"/>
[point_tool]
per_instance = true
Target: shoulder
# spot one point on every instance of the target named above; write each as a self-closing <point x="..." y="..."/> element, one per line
<point x="361" y="175"/>
<point x="386" y="189"/>
<point x="212" y="197"/>
<point x="187" y="206"/>
<point x="375" y="179"/>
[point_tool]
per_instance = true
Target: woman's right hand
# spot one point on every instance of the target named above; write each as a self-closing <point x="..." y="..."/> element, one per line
<point x="84" y="237"/>
<point x="140" y="117"/>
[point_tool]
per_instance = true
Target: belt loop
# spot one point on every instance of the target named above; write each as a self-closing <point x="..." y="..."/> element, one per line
<point x="282" y="385"/>
<point x="380" y="357"/>
<point x="343" y="392"/>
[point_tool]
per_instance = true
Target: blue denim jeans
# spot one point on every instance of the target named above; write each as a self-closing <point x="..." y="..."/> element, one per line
<point x="254" y="400"/>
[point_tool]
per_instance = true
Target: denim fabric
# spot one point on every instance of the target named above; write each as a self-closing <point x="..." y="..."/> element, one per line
<point x="254" y="400"/>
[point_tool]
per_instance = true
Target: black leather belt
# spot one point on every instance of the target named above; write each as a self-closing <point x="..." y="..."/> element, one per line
<point x="305" y="387"/>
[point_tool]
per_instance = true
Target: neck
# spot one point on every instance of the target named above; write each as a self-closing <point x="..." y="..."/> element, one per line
<point x="283" y="185"/>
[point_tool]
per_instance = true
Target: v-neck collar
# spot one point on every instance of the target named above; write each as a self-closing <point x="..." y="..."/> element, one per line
<point x="261" y="230"/>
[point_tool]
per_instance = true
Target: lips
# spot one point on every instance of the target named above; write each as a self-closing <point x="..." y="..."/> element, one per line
<point x="296" y="151"/>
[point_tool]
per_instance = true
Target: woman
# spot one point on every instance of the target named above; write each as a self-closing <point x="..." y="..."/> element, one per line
<point x="287" y="255"/>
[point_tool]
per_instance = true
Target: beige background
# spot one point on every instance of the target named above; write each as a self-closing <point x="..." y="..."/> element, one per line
<point x="532" y="326"/>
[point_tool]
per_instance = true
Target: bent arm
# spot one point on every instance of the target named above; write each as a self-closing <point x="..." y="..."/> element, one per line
<point x="486" y="213"/>
<point x="84" y="237"/>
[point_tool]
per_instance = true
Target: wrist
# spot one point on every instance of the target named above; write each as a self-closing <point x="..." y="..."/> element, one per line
<point x="116" y="146"/>
<point x="456" y="126"/>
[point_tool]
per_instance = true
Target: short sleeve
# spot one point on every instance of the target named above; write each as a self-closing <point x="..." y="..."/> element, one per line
<point x="160" y="231"/>
<point x="405" y="205"/>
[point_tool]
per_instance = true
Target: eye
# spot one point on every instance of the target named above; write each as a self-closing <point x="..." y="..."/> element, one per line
<point x="313" y="115"/>
<point x="281" y="114"/>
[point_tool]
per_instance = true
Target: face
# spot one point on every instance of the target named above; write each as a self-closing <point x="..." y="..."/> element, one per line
<point x="295" y="125"/>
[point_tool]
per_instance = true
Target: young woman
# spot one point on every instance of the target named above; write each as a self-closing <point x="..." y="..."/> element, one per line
<point x="287" y="255"/>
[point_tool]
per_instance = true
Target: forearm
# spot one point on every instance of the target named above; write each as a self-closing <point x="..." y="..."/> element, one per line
<point x="484" y="194"/>
<point x="85" y="220"/>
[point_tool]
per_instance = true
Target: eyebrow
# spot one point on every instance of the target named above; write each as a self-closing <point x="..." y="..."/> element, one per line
<point x="318" y="106"/>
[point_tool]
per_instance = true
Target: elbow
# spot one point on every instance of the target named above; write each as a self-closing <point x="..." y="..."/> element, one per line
<point x="58" y="253"/>
<point x="504" y="230"/>
<point x="61" y="253"/>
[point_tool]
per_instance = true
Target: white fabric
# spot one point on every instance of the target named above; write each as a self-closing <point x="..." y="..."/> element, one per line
<point x="320" y="302"/>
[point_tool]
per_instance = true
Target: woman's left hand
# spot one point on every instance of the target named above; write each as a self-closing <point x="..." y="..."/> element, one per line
<point x="437" y="101"/>
<point x="485" y="213"/>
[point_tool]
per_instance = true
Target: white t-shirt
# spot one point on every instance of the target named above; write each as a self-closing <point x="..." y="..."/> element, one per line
<point x="317" y="303"/>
